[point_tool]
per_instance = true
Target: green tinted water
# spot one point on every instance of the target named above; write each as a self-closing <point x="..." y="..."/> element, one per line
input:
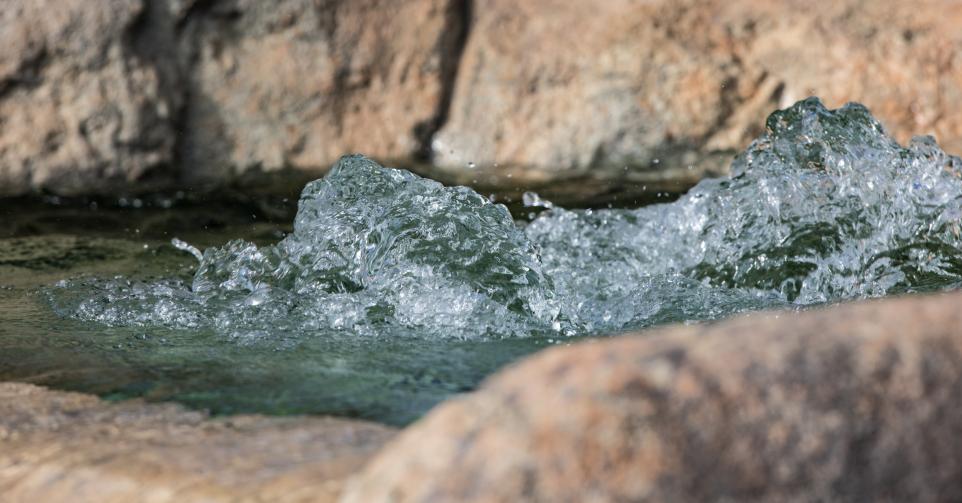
<point x="391" y="292"/>
<point x="394" y="381"/>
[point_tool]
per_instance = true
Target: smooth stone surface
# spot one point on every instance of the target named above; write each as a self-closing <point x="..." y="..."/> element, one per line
<point x="859" y="402"/>
<point x="59" y="446"/>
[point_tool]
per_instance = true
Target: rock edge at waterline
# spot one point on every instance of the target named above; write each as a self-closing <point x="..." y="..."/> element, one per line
<point x="858" y="402"/>
<point x="60" y="446"/>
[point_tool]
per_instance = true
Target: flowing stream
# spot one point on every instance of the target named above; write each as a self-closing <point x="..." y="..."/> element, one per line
<point x="393" y="292"/>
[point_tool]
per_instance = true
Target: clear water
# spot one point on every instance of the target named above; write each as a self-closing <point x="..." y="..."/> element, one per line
<point x="394" y="292"/>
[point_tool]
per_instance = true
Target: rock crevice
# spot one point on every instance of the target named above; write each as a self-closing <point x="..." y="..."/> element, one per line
<point x="458" y="29"/>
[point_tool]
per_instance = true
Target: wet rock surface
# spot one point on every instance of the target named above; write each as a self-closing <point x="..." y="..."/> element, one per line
<point x="852" y="403"/>
<point x="648" y="97"/>
<point x="59" y="446"/>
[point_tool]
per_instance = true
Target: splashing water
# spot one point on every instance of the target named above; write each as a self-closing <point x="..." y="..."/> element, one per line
<point x="823" y="207"/>
<point x="394" y="292"/>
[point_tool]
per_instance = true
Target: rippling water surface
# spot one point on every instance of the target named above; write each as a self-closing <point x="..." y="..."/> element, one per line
<point x="393" y="292"/>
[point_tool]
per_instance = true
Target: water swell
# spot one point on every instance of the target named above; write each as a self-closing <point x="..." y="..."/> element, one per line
<point x="823" y="207"/>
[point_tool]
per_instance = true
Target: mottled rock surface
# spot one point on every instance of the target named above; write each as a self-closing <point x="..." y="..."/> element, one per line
<point x="57" y="446"/>
<point x="80" y="111"/>
<point x="668" y="90"/>
<point x="853" y="403"/>
<point x="581" y="100"/>
<point x="298" y="83"/>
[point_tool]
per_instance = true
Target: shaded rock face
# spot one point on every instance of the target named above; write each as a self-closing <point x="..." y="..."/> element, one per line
<point x="852" y="403"/>
<point x="298" y="83"/>
<point x="79" y="109"/>
<point x="596" y="95"/>
<point x="189" y="91"/>
<point x="57" y="446"/>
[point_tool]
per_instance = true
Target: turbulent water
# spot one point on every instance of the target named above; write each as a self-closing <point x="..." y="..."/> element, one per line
<point x="394" y="292"/>
<point x="823" y="207"/>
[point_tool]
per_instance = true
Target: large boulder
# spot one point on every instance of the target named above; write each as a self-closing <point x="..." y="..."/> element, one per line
<point x="99" y="95"/>
<point x="57" y="446"/>
<point x="80" y="110"/>
<point x="664" y="92"/>
<point x="584" y="100"/>
<point x="858" y="402"/>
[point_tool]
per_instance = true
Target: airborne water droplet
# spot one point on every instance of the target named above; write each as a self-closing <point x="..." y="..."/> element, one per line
<point x="183" y="246"/>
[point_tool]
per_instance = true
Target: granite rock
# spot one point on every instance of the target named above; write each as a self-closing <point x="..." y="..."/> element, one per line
<point x="858" y="402"/>
<point x="665" y="92"/>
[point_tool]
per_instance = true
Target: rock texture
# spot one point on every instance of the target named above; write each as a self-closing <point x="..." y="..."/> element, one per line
<point x="189" y="91"/>
<point x="670" y="89"/>
<point x="299" y="83"/>
<point x="57" y="446"/>
<point x="79" y="110"/>
<point x="586" y="97"/>
<point x="852" y="403"/>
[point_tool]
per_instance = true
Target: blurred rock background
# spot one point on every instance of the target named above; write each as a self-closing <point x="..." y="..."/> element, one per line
<point x="586" y="100"/>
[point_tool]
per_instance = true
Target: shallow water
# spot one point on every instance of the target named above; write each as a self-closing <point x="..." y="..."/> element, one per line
<point x="392" y="292"/>
<point x="393" y="381"/>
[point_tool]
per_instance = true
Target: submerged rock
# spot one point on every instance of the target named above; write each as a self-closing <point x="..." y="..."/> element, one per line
<point x="824" y="206"/>
<point x="57" y="446"/>
<point x="852" y="403"/>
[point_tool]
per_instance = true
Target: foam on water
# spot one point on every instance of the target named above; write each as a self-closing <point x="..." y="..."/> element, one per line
<point x="372" y="249"/>
<point x="823" y="207"/>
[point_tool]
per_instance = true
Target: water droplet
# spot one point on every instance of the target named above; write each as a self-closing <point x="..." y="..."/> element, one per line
<point x="183" y="246"/>
<point x="531" y="199"/>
